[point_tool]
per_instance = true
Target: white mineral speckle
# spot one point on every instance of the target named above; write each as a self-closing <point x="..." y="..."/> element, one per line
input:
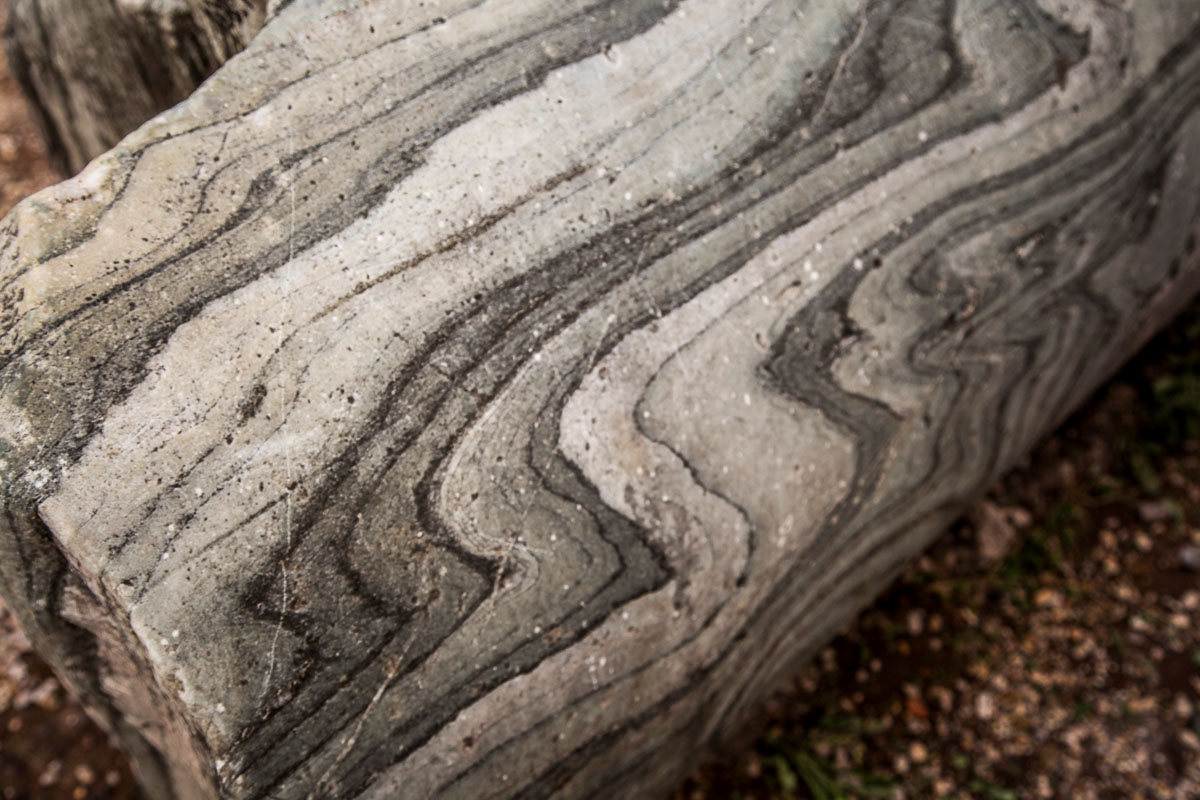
<point x="38" y="478"/>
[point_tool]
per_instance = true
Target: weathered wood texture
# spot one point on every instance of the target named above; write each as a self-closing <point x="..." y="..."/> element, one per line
<point x="96" y="69"/>
<point x="463" y="400"/>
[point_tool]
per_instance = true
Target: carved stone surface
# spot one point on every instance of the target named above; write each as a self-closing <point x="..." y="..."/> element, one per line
<point x="494" y="399"/>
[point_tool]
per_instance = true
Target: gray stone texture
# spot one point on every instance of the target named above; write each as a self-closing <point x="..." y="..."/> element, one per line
<point x="495" y="399"/>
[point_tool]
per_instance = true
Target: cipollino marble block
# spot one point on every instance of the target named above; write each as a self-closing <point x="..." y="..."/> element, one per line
<point x="496" y="399"/>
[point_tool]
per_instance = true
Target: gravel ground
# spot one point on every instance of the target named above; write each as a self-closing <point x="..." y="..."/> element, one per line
<point x="1047" y="647"/>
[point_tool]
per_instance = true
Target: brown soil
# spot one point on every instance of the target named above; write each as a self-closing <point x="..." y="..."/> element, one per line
<point x="48" y="747"/>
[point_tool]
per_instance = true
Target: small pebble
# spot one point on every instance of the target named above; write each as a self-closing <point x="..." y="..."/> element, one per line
<point x="985" y="706"/>
<point x="1048" y="598"/>
<point x="85" y="775"/>
<point x="50" y="774"/>
<point x="1189" y="557"/>
<point x="1156" y="510"/>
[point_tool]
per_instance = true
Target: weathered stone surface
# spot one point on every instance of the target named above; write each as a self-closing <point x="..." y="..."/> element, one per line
<point x="494" y="399"/>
